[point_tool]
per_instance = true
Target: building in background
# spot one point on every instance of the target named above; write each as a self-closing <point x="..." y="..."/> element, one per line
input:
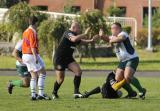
<point x="133" y="8"/>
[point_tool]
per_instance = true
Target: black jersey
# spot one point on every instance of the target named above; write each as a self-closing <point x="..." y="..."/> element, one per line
<point x="107" y="90"/>
<point x="66" y="47"/>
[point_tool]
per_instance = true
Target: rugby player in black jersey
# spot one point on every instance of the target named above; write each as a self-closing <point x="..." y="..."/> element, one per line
<point x="63" y="58"/>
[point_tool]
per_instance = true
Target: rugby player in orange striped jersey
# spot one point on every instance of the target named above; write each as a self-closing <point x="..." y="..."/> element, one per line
<point x="33" y="60"/>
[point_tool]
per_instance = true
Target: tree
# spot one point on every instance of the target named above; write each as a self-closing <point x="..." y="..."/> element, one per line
<point x="115" y="11"/>
<point x="69" y="9"/>
<point x="9" y="3"/>
<point x="95" y="20"/>
<point x="19" y="14"/>
<point x="155" y="19"/>
<point x="50" y="38"/>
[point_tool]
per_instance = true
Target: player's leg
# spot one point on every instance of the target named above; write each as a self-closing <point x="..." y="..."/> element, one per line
<point x="120" y="80"/>
<point x="75" y="68"/>
<point x="23" y="82"/>
<point x="132" y="65"/>
<point x="59" y="80"/>
<point x="41" y="79"/>
<point x="130" y="91"/>
<point x="91" y="92"/>
<point x="33" y="84"/>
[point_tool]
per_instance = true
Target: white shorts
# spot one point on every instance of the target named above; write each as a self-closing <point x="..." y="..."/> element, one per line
<point x="30" y="62"/>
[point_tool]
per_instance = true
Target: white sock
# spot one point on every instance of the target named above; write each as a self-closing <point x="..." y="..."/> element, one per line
<point x="33" y="87"/>
<point x="41" y="84"/>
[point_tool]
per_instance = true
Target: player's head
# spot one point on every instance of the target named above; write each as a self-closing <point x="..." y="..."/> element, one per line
<point x="75" y="27"/>
<point x="33" y="20"/>
<point x="116" y="28"/>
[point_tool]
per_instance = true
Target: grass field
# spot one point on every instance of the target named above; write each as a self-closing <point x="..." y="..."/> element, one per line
<point x="148" y="61"/>
<point x="19" y="100"/>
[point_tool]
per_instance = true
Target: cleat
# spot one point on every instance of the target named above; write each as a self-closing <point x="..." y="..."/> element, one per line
<point x="55" y="96"/>
<point x="43" y="97"/>
<point x="33" y="98"/>
<point x="10" y="87"/>
<point x="132" y="95"/>
<point x="77" y="95"/>
<point x="85" y="95"/>
<point x="142" y="94"/>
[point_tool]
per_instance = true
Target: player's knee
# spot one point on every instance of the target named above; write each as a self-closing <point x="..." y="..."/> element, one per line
<point x="43" y="71"/>
<point x="26" y="84"/>
<point x="119" y="78"/>
<point x="79" y="73"/>
<point x="60" y="80"/>
<point x="128" y="79"/>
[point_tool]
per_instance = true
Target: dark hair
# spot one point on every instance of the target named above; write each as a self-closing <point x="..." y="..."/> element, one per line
<point x="33" y="20"/>
<point x="117" y="24"/>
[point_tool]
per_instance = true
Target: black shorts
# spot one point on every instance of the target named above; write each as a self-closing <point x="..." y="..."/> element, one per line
<point x="61" y="63"/>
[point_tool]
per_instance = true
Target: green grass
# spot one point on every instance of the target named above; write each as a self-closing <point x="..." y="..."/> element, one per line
<point x="19" y="100"/>
<point x="148" y="61"/>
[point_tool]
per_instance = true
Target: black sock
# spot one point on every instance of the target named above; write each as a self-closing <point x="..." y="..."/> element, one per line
<point x="77" y="82"/>
<point x="94" y="91"/>
<point x="56" y="87"/>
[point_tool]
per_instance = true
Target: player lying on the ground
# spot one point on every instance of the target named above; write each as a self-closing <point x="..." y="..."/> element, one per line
<point x="21" y="69"/>
<point x="63" y="58"/>
<point x="127" y="56"/>
<point x="33" y="61"/>
<point x="108" y="92"/>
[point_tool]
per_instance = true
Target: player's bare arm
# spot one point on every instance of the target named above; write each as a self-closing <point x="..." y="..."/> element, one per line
<point x="87" y="41"/>
<point x="15" y="54"/>
<point x="103" y="36"/>
<point x="117" y="39"/>
<point x="79" y="37"/>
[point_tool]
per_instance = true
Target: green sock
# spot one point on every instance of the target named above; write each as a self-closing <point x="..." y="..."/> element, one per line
<point x="128" y="88"/>
<point x="135" y="82"/>
<point x="18" y="83"/>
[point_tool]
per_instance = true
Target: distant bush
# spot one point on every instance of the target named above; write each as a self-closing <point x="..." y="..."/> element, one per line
<point x="142" y="37"/>
<point x="6" y="32"/>
<point x="127" y="29"/>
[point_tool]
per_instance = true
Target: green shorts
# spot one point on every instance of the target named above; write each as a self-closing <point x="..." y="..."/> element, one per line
<point x="22" y="71"/>
<point x="133" y="63"/>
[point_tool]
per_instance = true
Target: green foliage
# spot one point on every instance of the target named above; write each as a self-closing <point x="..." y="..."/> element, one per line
<point x="69" y="9"/>
<point x="50" y="33"/>
<point x="8" y="3"/>
<point x="155" y="20"/>
<point x="115" y="11"/>
<point x="6" y="32"/>
<point x="95" y="20"/>
<point x="127" y="29"/>
<point x="143" y="36"/>
<point x="19" y="14"/>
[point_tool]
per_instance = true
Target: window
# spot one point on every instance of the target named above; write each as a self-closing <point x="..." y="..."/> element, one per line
<point x="123" y="11"/>
<point x="145" y="11"/>
<point x="76" y="9"/>
<point x="42" y="8"/>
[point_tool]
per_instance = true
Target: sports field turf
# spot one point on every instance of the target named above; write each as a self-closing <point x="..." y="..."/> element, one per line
<point x="19" y="100"/>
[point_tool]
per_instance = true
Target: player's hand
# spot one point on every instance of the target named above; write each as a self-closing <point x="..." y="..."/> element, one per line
<point x="20" y="60"/>
<point x="111" y="43"/>
<point x="87" y="31"/>
<point x="94" y="39"/>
